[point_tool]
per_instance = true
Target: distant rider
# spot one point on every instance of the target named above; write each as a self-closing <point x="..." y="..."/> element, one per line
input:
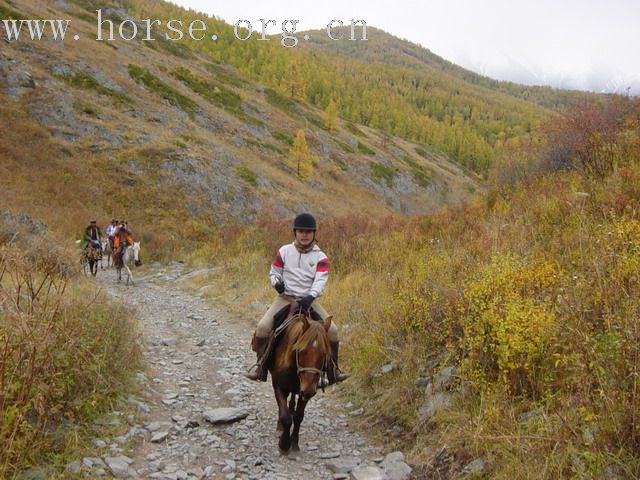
<point x="92" y="236"/>
<point x="111" y="231"/>
<point x="121" y="239"/>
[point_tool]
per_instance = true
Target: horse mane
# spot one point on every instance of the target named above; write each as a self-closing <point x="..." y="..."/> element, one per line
<point x="296" y="338"/>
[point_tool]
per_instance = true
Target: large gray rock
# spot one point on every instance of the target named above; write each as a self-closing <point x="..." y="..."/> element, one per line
<point x="394" y="457"/>
<point x="474" y="468"/>
<point x="155" y="426"/>
<point x="387" y="368"/>
<point x="433" y="403"/>
<point x="120" y="467"/>
<point x="225" y="415"/>
<point x="395" y="466"/>
<point x="397" y="471"/>
<point x="159" y="437"/>
<point x="33" y="474"/>
<point x="445" y="378"/>
<point x="343" y="465"/>
<point x="368" y="473"/>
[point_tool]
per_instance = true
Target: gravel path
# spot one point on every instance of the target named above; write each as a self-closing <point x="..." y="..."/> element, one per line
<point x="196" y="356"/>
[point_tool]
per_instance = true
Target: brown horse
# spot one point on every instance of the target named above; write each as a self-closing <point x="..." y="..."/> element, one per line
<point x="298" y="363"/>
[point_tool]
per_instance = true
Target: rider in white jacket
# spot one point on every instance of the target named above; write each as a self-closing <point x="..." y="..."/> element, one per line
<point x="299" y="273"/>
<point x="312" y="270"/>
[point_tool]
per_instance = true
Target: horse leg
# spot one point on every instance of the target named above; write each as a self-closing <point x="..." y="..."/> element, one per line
<point x="292" y="406"/>
<point x="284" y="419"/>
<point x="298" y="416"/>
<point x="129" y="274"/>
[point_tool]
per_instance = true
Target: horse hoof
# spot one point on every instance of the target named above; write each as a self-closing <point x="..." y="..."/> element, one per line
<point x="295" y="448"/>
<point x="283" y="452"/>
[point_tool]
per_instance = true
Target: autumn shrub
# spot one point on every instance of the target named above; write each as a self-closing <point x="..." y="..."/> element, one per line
<point x="508" y="323"/>
<point x="531" y="294"/>
<point x="66" y="353"/>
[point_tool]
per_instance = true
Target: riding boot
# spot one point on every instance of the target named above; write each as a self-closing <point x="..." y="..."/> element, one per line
<point x="259" y="371"/>
<point x="334" y="375"/>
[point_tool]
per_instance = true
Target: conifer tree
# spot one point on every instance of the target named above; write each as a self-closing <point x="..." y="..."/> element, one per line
<point x="331" y="119"/>
<point x="299" y="157"/>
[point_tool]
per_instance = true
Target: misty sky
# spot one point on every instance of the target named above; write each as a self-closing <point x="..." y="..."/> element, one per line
<point x="584" y="44"/>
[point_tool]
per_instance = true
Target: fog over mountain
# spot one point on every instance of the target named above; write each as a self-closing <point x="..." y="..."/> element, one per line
<point x="586" y="45"/>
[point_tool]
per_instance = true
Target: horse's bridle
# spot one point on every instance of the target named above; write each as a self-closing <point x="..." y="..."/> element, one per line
<point x="309" y="369"/>
<point x="300" y="369"/>
<point x="318" y="371"/>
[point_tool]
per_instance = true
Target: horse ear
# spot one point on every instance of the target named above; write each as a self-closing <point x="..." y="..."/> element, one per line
<point x="327" y="323"/>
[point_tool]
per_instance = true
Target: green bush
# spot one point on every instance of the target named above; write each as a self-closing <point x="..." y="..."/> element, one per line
<point x="355" y="130"/>
<point x="283" y="137"/>
<point x="247" y="175"/>
<point x="216" y="94"/>
<point x="382" y="172"/>
<point x="362" y="148"/>
<point x="7" y="13"/>
<point x="346" y="147"/>
<point x="154" y="84"/>
<point x="84" y="80"/>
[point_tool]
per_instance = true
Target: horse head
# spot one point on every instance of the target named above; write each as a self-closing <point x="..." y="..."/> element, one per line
<point x="136" y="252"/>
<point x="312" y="350"/>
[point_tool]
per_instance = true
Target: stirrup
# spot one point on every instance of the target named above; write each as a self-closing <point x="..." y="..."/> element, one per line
<point x="323" y="381"/>
<point x="336" y="376"/>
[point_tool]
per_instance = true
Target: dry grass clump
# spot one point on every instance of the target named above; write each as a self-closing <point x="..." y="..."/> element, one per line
<point x="66" y="353"/>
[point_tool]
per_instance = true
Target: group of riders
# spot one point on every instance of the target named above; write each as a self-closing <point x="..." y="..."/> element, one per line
<point x="118" y="235"/>
<point x="299" y="274"/>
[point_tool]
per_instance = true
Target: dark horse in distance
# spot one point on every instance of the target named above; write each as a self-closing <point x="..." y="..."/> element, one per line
<point x="298" y="363"/>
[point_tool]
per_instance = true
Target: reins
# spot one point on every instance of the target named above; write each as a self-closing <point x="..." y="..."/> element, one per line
<point x="318" y="371"/>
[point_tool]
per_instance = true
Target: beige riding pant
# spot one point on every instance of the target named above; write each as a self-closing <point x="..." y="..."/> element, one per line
<point x="265" y="325"/>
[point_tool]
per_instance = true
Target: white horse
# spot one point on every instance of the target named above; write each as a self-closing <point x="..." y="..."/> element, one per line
<point x="130" y="256"/>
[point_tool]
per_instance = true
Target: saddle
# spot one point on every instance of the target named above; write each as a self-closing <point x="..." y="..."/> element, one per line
<point x="281" y="320"/>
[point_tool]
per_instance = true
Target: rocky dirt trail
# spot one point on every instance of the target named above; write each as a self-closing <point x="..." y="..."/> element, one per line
<point x="196" y="355"/>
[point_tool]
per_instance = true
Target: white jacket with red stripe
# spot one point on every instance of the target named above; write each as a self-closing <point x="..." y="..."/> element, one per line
<point x="302" y="273"/>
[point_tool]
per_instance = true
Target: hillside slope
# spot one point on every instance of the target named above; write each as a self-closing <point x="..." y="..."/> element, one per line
<point x="166" y="137"/>
<point x="185" y="136"/>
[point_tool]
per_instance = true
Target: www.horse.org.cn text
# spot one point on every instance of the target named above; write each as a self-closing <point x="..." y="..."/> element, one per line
<point x="109" y="28"/>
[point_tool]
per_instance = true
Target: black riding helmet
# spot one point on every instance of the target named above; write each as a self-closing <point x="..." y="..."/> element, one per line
<point x="305" y="221"/>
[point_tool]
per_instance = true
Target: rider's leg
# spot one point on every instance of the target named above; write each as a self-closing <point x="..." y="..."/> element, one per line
<point x="334" y="375"/>
<point x="262" y="336"/>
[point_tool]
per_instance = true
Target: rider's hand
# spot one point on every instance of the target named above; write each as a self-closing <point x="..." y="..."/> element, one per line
<point x="294" y="308"/>
<point x="306" y="301"/>
<point x="279" y="287"/>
